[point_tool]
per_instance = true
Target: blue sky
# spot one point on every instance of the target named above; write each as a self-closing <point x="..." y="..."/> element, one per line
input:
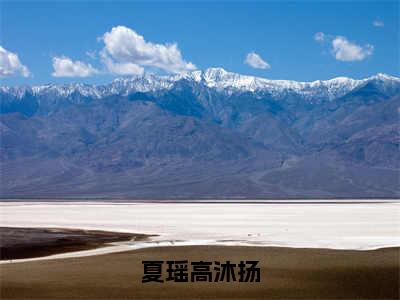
<point x="95" y="41"/>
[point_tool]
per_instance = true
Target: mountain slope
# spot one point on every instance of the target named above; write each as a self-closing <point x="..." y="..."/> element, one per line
<point x="206" y="134"/>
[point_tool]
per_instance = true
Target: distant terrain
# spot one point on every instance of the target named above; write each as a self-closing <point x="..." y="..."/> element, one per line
<point x="205" y="134"/>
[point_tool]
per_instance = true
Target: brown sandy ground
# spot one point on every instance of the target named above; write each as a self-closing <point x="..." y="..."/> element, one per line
<point x="286" y="273"/>
<point x="35" y="242"/>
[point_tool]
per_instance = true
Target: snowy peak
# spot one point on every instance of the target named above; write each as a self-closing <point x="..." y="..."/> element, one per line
<point x="216" y="74"/>
<point x="223" y="80"/>
<point x="145" y="83"/>
<point x="227" y="81"/>
<point x="215" y="78"/>
<point x="384" y="77"/>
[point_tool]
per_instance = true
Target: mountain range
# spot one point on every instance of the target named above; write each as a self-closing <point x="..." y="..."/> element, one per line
<point x="203" y="134"/>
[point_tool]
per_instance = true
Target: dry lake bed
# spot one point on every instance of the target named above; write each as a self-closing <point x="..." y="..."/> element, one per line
<point x="305" y="250"/>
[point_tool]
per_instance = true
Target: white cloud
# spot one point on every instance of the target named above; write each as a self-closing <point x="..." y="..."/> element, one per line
<point x="127" y="52"/>
<point x="65" y="67"/>
<point x="342" y="49"/>
<point x="255" y="61"/>
<point x="126" y="68"/>
<point x="319" y="36"/>
<point x="345" y="50"/>
<point x="10" y="64"/>
<point x="378" y="23"/>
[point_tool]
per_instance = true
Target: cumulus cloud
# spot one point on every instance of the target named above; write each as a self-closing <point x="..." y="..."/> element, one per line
<point x="65" y="67"/>
<point x="127" y="52"/>
<point x="345" y="50"/>
<point x="10" y="64"/>
<point x="378" y="23"/>
<point x="255" y="61"/>
<point x="319" y="36"/>
<point x="124" y="68"/>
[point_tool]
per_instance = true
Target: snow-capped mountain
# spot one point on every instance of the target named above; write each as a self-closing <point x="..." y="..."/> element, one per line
<point x="204" y="134"/>
<point x="213" y="78"/>
<point x="220" y="79"/>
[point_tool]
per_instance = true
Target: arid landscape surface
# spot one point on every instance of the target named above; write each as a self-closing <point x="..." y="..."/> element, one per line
<point x="362" y="262"/>
<point x="17" y="243"/>
<point x="286" y="273"/>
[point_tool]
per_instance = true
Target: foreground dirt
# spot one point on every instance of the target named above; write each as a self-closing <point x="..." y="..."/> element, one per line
<point x="285" y="273"/>
<point x="18" y="243"/>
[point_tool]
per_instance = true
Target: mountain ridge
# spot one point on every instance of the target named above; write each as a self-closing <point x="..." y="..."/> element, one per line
<point x="201" y="140"/>
<point x="212" y="77"/>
